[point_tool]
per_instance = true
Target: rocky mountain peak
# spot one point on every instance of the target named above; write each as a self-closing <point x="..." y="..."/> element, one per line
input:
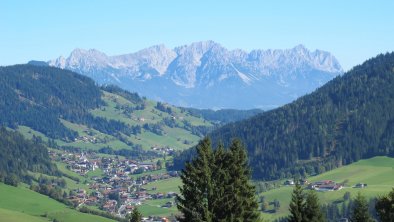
<point x="206" y="65"/>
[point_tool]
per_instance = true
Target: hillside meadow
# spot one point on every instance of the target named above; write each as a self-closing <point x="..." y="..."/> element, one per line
<point x="377" y="173"/>
<point x="19" y="204"/>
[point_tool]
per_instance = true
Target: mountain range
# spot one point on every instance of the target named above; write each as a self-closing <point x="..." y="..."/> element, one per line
<point x="207" y="75"/>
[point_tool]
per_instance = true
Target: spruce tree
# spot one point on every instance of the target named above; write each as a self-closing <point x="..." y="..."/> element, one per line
<point x="136" y="216"/>
<point x="244" y="203"/>
<point x="360" y="211"/>
<point x="221" y="204"/>
<point x="216" y="186"/>
<point x="196" y="191"/>
<point x="297" y="204"/>
<point x="385" y="207"/>
<point x="312" y="211"/>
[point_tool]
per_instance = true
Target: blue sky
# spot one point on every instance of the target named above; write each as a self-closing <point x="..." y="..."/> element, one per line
<point x="352" y="30"/>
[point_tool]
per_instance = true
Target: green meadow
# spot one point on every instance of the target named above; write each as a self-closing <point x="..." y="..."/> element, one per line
<point x="377" y="172"/>
<point x="174" y="137"/>
<point x="154" y="207"/>
<point x="19" y="204"/>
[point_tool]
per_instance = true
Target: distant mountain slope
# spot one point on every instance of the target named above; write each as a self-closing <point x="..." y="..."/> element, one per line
<point x="349" y="118"/>
<point x="207" y="75"/>
<point x="70" y="110"/>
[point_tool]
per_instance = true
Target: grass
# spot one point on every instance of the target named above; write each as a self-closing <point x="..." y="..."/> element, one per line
<point x="165" y="186"/>
<point x="148" y="208"/>
<point x="156" y="172"/>
<point x="19" y="203"/>
<point x="15" y="216"/>
<point x="377" y="172"/>
<point x="172" y="137"/>
<point x="153" y="207"/>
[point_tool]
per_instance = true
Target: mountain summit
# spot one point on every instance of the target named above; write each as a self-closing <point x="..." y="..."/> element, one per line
<point x="207" y="75"/>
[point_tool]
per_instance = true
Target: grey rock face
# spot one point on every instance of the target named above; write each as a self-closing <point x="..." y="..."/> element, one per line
<point x="207" y="75"/>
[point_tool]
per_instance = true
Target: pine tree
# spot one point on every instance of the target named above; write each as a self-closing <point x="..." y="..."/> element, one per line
<point x="195" y="202"/>
<point x="244" y="201"/>
<point x="136" y="216"/>
<point x="216" y="186"/>
<point x="297" y="204"/>
<point x="360" y="210"/>
<point x="221" y="205"/>
<point x="312" y="211"/>
<point x="385" y="207"/>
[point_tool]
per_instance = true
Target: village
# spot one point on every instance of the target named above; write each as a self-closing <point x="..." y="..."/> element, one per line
<point x="120" y="187"/>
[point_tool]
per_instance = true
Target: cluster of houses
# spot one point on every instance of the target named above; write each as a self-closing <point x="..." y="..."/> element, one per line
<point x="90" y="139"/>
<point x="115" y="191"/>
<point x="163" y="150"/>
<point x="323" y="185"/>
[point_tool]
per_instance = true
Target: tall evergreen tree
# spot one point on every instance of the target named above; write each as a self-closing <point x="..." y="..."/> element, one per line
<point x="243" y="199"/>
<point x="216" y="186"/>
<point x="297" y="204"/>
<point x="360" y="210"/>
<point x="221" y="205"/>
<point x="313" y="212"/>
<point x="195" y="202"/>
<point x="136" y="216"/>
<point x="385" y="207"/>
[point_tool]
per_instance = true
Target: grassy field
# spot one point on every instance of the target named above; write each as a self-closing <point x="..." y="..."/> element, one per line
<point x="21" y="204"/>
<point x="173" y="137"/>
<point x="15" y="216"/>
<point x="154" y="207"/>
<point x="377" y="172"/>
<point x="165" y="186"/>
<point x="176" y="137"/>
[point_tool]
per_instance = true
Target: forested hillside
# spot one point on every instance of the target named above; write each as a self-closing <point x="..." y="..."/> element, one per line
<point x="349" y="118"/>
<point x="38" y="96"/>
<point x="71" y="111"/>
<point x="18" y="156"/>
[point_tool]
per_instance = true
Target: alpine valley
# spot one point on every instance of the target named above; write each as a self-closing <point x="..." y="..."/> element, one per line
<point x="207" y="75"/>
<point x="96" y="150"/>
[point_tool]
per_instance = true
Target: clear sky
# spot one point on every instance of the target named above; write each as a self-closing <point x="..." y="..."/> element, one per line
<point x="45" y="29"/>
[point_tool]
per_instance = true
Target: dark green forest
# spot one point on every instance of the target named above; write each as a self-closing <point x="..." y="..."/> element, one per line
<point x="349" y="118"/>
<point x="38" y="97"/>
<point x="18" y="156"/>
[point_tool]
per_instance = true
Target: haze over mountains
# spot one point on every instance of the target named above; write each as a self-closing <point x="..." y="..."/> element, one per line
<point x="207" y="75"/>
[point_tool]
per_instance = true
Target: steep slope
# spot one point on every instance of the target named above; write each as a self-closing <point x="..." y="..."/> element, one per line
<point x="18" y="156"/>
<point x="202" y="74"/>
<point x="70" y="110"/>
<point x="37" y="96"/>
<point x="349" y="118"/>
